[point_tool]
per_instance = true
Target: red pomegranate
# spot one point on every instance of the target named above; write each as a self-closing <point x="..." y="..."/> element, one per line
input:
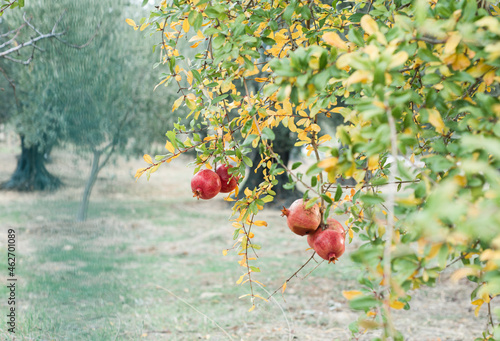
<point x="228" y="183"/>
<point x="300" y="220"/>
<point x="329" y="244"/>
<point x="331" y="224"/>
<point x="205" y="184"/>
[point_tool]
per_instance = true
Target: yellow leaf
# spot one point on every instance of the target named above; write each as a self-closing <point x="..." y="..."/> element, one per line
<point x="170" y="147"/>
<point x="333" y="39"/>
<point x="261" y="80"/>
<point x="489" y="77"/>
<point x="155" y="168"/>
<point x="373" y="162"/>
<point x="185" y="25"/>
<point x="363" y="76"/>
<point x="130" y="22"/>
<point x="351" y="234"/>
<point x="262" y="298"/>
<point x="460" y="63"/>
<point x="148" y="159"/>
<point x="349" y="295"/>
<point x="452" y="43"/>
<point x="479" y="303"/>
<point x="260" y="223"/>
<point x="284" y="287"/>
<point x="195" y="45"/>
<point x="247" y="192"/>
<point x="368" y="24"/>
<point x="464" y="272"/>
<point x="224" y="252"/>
<point x="241" y="279"/>
<point x="139" y="172"/>
<point x="398" y="59"/>
<point x="251" y="235"/>
<point x="328" y="164"/>
<point x="434" y="251"/>
<point x="436" y="120"/>
<point x="163" y="81"/>
<point x="143" y="26"/>
<point x="177" y="103"/>
<point x="397" y="305"/>
<point x="252" y="308"/>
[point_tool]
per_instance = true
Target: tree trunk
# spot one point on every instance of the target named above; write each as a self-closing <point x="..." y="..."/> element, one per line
<point x="30" y="173"/>
<point x="282" y="146"/>
<point x="84" y="204"/>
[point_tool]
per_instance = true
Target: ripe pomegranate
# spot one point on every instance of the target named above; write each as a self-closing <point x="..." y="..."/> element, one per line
<point x="205" y="184"/>
<point x="331" y="224"/>
<point x="329" y="243"/>
<point x="300" y="220"/>
<point x="228" y="183"/>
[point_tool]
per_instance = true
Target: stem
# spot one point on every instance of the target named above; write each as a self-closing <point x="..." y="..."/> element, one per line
<point x="390" y="222"/>
<point x="292" y="276"/>
<point x="194" y="308"/>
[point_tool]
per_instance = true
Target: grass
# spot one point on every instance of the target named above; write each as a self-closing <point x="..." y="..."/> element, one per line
<point x="95" y="281"/>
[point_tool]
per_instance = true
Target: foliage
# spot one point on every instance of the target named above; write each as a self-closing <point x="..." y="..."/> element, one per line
<point x="6" y="4"/>
<point x="417" y="85"/>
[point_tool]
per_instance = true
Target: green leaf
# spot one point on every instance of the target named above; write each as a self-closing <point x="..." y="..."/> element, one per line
<point x="314" y="181"/>
<point x="219" y="98"/>
<point x="363" y="303"/>
<point x="287" y="14"/>
<point x="254" y="269"/>
<point x="247" y="161"/>
<point x="310" y="203"/>
<point x="296" y="165"/>
<point x="171" y="137"/>
<point x="371" y="199"/>
<point x="268" y="134"/>
<point x="338" y="193"/>
<point x="327" y="198"/>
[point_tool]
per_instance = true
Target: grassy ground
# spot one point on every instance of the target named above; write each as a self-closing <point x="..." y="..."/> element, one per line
<point x="148" y="265"/>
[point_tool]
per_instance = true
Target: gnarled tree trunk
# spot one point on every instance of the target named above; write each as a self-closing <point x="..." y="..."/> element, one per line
<point x="30" y="173"/>
<point x="282" y="146"/>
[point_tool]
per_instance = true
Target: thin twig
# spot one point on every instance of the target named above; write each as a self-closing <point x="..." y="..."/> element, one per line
<point x="391" y="198"/>
<point x="292" y="276"/>
<point x="290" y="337"/>
<point x="195" y="309"/>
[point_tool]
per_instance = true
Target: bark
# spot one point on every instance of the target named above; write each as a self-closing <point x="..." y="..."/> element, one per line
<point x="30" y="173"/>
<point x="282" y="146"/>
<point x="84" y="204"/>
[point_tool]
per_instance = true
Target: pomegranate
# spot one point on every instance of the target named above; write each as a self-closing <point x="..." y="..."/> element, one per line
<point x="329" y="243"/>
<point x="331" y="224"/>
<point x="205" y="184"/>
<point x="301" y="220"/>
<point x="228" y="183"/>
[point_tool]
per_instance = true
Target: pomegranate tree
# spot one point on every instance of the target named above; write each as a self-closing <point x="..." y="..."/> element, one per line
<point x="228" y="182"/>
<point x="329" y="243"/>
<point x="205" y="184"/>
<point x="300" y="220"/>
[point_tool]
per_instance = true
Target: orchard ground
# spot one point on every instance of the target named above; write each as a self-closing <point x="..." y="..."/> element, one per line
<point x="103" y="279"/>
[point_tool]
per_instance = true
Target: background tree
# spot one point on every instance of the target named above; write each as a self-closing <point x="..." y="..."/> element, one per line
<point x="20" y="38"/>
<point x="96" y="98"/>
<point x="417" y="85"/>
